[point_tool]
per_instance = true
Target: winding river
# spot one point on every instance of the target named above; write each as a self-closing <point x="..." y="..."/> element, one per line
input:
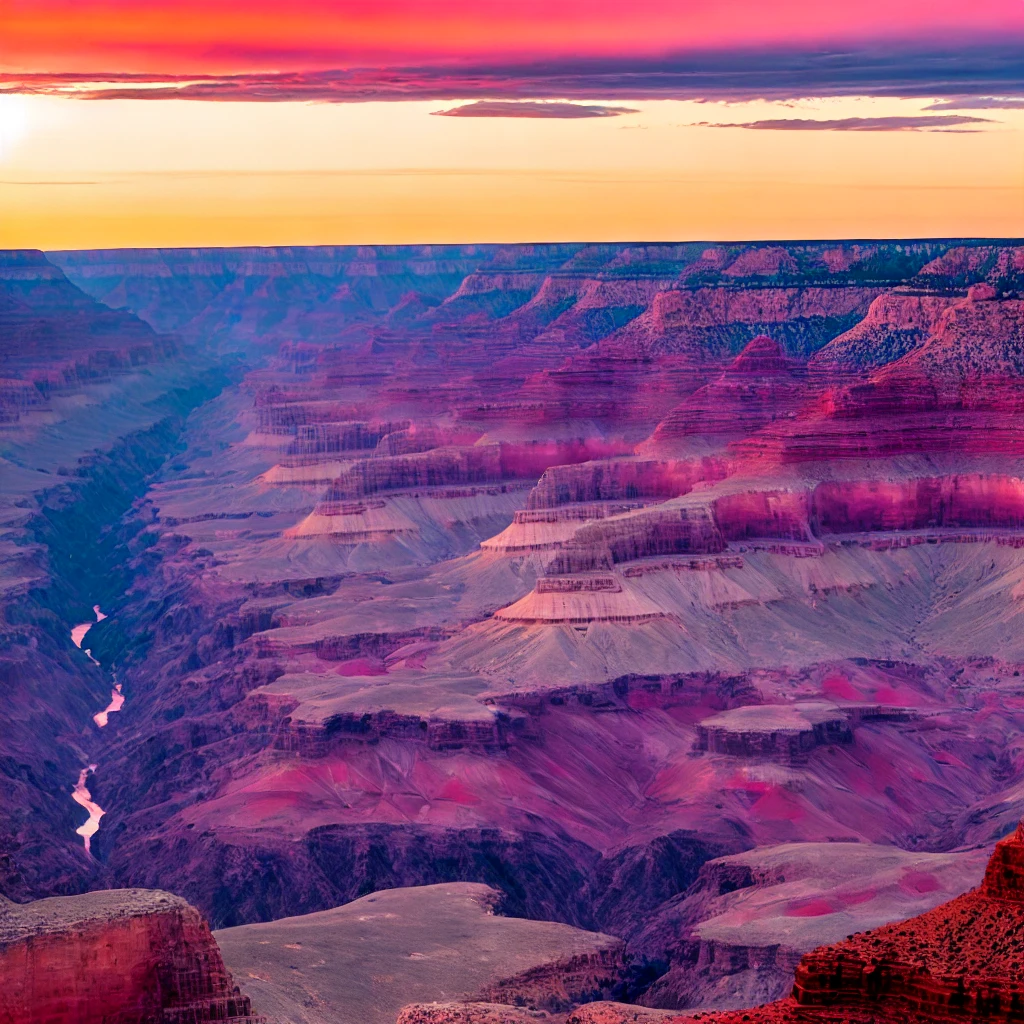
<point x="80" y="794"/>
<point x="78" y="632"/>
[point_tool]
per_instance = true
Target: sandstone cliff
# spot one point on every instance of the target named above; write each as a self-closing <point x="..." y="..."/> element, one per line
<point x="129" y="956"/>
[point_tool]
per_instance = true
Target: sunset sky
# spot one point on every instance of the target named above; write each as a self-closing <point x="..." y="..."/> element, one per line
<point x="180" y="122"/>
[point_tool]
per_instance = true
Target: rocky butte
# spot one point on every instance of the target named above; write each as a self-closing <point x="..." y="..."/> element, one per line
<point x="668" y="597"/>
<point x="121" y="955"/>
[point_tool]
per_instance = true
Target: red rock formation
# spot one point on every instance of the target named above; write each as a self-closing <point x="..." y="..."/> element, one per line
<point x="127" y="956"/>
<point x="960" y="961"/>
<point x="759" y="386"/>
<point x="620" y="480"/>
<point x="896" y="323"/>
<point x="1004" y="877"/>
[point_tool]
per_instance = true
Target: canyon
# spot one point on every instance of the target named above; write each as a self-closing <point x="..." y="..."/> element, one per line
<point x="663" y="600"/>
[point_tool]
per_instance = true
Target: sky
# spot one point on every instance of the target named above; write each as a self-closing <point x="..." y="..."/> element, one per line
<point x="180" y="122"/>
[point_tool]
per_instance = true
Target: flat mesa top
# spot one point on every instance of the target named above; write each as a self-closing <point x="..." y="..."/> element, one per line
<point x="51" y="916"/>
<point x="774" y="717"/>
<point x="399" y="946"/>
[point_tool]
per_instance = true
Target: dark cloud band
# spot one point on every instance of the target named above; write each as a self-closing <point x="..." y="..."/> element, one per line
<point x="971" y="71"/>
<point x="924" y="122"/>
<point x="979" y="103"/>
<point x="530" y="108"/>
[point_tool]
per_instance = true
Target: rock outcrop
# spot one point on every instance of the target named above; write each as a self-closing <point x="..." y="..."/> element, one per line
<point x="737" y="935"/>
<point x="425" y="944"/>
<point x="128" y="955"/>
<point x="896" y="323"/>
<point x="957" y="962"/>
<point x="767" y="731"/>
<point x="960" y="960"/>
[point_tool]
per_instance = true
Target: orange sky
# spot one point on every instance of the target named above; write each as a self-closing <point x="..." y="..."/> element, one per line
<point x="77" y="174"/>
<point x="107" y="171"/>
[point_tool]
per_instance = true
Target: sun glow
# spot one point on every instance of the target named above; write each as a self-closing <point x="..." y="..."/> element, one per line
<point x="14" y="123"/>
<point x="92" y="173"/>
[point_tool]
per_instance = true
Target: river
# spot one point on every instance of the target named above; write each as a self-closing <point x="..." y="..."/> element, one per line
<point x="80" y="794"/>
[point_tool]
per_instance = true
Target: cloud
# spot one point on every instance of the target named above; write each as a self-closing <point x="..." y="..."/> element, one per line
<point x="527" y="108"/>
<point x="857" y="124"/>
<point x="979" y="103"/>
<point x="970" y="71"/>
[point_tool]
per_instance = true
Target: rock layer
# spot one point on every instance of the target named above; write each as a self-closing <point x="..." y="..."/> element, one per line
<point x="126" y="956"/>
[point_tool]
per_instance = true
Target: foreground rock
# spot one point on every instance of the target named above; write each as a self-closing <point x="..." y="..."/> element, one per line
<point x="474" y="1013"/>
<point x="960" y="961"/>
<point x="736" y="936"/>
<point x="604" y="1012"/>
<point x="126" y="955"/>
<point x="360" y="963"/>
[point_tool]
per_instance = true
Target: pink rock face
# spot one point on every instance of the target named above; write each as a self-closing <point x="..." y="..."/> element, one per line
<point x="955" y="502"/>
<point x="758" y="387"/>
<point x="620" y="480"/>
<point x="975" y="262"/>
<point x="896" y="323"/>
<point x="766" y="261"/>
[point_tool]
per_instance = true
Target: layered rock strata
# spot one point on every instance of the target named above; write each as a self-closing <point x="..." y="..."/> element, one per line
<point x="451" y="584"/>
<point x="128" y="956"/>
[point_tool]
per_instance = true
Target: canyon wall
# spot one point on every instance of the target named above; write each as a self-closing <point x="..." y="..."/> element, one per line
<point x="124" y="956"/>
<point x="561" y="569"/>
